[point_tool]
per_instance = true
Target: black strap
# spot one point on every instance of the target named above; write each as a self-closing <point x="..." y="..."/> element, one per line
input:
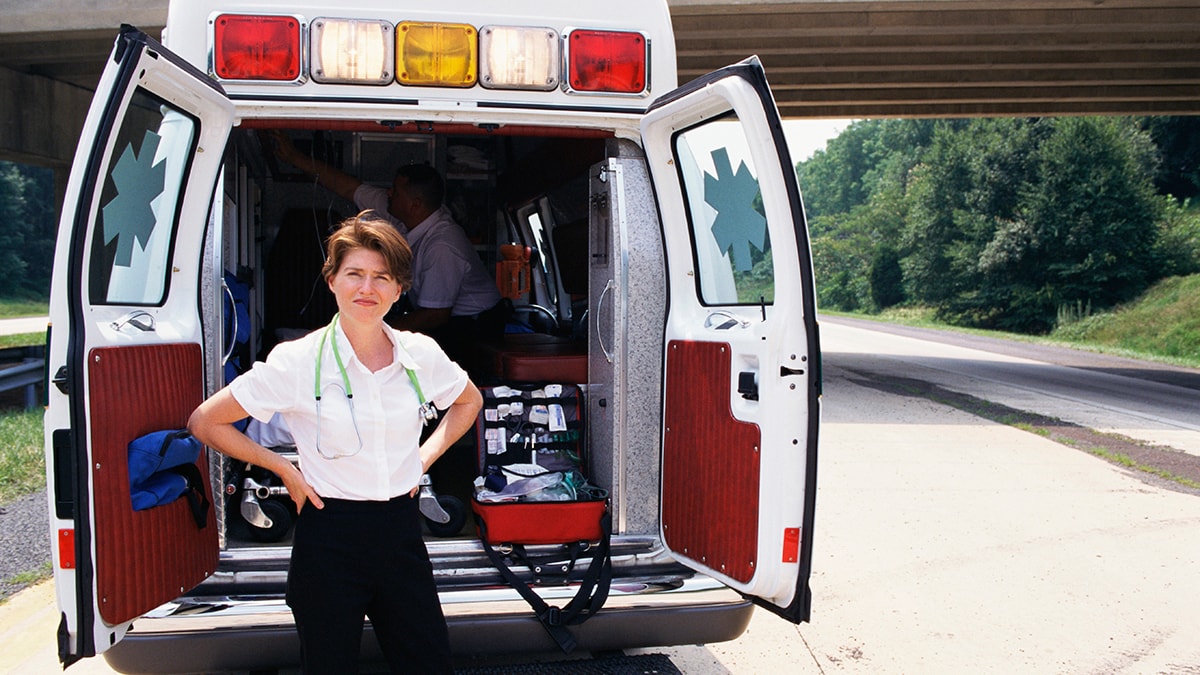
<point x="588" y="600"/>
<point x="170" y="438"/>
<point x="197" y="499"/>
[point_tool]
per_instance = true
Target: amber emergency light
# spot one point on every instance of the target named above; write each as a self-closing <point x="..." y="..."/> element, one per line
<point x="256" y="47"/>
<point x="436" y="54"/>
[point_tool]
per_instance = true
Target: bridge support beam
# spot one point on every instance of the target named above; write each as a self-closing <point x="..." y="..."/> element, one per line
<point x="41" y="119"/>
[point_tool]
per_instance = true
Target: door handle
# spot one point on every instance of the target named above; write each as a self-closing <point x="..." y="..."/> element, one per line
<point x="139" y="319"/>
<point x="599" y="329"/>
<point x="713" y="320"/>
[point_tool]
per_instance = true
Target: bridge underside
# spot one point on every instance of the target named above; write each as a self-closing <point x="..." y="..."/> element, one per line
<point x="824" y="58"/>
<point x="947" y="58"/>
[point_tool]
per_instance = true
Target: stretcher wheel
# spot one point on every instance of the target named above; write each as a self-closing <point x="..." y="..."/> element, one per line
<point x="281" y="521"/>
<point x="457" y="511"/>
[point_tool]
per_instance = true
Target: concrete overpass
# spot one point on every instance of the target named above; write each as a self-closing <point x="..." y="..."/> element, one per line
<point x="825" y="58"/>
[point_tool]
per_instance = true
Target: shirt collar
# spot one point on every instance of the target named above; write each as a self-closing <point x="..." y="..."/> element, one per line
<point x="400" y="356"/>
<point x="416" y="234"/>
<point x="400" y="352"/>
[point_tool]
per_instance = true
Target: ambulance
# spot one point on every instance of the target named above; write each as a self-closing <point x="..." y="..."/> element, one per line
<point x="661" y="264"/>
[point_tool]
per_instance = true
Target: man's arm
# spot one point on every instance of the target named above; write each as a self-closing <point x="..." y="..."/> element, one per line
<point x="342" y="184"/>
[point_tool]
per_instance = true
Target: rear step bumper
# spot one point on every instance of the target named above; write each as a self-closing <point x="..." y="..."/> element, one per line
<point x="228" y="634"/>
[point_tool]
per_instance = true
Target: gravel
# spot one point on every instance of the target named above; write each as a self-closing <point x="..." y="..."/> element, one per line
<point x="24" y="524"/>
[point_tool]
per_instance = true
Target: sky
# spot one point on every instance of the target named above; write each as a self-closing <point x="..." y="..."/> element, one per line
<point x="807" y="136"/>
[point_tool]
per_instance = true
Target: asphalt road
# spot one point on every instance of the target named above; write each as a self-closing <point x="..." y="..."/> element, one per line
<point x="1150" y="402"/>
<point x="945" y="542"/>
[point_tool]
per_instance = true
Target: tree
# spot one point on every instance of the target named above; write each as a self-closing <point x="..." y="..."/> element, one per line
<point x="1178" y="142"/>
<point x="1178" y="243"/>
<point x="886" y="279"/>
<point x="856" y="164"/>
<point x="26" y="230"/>
<point x="1090" y="216"/>
<point x="16" y="226"/>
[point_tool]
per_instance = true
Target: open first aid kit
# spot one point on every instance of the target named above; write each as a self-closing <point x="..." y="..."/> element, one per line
<point x="533" y="489"/>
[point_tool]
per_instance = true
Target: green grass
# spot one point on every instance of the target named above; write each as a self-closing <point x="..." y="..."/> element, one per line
<point x="29" y="578"/>
<point x="1163" y="325"/>
<point x="43" y="571"/>
<point x="22" y="458"/>
<point x="14" y="309"/>
<point x="1165" y="321"/>
<point x="22" y="340"/>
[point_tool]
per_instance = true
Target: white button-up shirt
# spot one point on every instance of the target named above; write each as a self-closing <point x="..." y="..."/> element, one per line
<point x="384" y="416"/>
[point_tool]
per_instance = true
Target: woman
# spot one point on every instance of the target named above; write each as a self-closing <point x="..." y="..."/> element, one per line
<point x="352" y="396"/>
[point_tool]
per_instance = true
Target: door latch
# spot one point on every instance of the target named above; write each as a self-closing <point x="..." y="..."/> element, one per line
<point x="61" y="380"/>
<point x="747" y="385"/>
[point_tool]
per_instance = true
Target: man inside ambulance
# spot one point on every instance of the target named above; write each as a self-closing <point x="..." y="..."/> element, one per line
<point x="453" y="298"/>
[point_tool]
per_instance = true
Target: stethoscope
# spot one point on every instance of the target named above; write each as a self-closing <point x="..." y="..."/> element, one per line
<point x="427" y="410"/>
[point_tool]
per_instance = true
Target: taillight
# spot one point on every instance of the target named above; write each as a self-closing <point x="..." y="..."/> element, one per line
<point x="351" y="51"/>
<point x="256" y="47"/>
<point x="436" y="54"/>
<point x="606" y="61"/>
<point x="519" y="57"/>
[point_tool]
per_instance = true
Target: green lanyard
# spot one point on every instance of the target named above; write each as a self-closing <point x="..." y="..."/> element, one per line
<point x="428" y="412"/>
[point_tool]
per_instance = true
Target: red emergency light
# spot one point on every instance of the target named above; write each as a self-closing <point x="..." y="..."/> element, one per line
<point x="256" y="47"/>
<point x="607" y="61"/>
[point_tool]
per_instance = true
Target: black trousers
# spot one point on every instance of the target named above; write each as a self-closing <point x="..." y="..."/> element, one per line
<point x="354" y="559"/>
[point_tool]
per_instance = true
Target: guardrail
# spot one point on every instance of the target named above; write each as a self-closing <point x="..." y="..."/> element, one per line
<point x="29" y="373"/>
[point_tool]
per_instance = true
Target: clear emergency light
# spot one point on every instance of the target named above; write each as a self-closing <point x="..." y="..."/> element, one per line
<point x="436" y="54"/>
<point x="256" y="47"/>
<point x="352" y="51"/>
<point x="519" y="57"/>
<point x="606" y="61"/>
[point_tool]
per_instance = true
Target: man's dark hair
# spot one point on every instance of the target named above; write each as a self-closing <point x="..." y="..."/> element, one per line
<point x="425" y="183"/>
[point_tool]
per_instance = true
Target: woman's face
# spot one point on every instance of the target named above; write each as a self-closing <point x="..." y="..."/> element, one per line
<point x="364" y="288"/>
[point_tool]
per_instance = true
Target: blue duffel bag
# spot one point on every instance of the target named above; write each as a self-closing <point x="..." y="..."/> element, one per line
<point x="162" y="468"/>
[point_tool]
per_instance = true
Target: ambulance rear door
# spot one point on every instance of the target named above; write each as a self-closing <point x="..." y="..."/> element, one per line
<point x="742" y="383"/>
<point x="126" y="349"/>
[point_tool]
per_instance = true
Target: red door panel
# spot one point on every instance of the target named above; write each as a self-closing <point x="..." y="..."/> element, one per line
<point x="710" y="463"/>
<point x="143" y="556"/>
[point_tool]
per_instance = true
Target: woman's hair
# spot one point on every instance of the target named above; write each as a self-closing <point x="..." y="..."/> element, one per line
<point x="369" y="231"/>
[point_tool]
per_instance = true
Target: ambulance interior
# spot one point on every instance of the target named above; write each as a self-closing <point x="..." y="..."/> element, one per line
<point x="503" y="189"/>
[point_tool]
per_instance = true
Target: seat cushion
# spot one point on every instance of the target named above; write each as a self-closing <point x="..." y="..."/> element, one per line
<point x="534" y="357"/>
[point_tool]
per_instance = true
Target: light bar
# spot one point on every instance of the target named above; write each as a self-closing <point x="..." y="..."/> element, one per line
<point x="256" y="47"/>
<point x="607" y="61"/>
<point x="352" y="51"/>
<point x="436" y="54"/>
<point x="519" y="57"/>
